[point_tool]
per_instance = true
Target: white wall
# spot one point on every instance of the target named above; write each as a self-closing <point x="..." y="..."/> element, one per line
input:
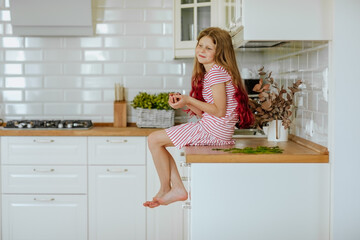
<point x="344" y="114"/>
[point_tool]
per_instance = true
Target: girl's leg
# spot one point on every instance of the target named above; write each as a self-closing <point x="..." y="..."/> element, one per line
<point x="166" y="168"/>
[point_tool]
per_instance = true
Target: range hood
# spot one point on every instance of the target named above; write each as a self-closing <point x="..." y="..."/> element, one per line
<point x="51" y="17"/>
<point x="238" y="40"/>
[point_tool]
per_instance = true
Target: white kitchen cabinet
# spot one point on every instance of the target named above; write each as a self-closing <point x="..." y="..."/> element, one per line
<point x="44" y="187"/>
<point x="260" y="201"/>
<point x="166" y="222"/>
<point x="288" y="20"/>
<point x="117" y="150"/>
<point x="117" y="188"/>
<point x="43" y="150"/>
<point x="192" y="16"/>
<point x="44" y="217"/>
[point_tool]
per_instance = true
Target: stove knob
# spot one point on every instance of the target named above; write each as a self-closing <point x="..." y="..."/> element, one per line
<point x="20" y="126"/>
<point x="60" y="125"/>
<point x="29" y="125"/>
<point x="69" y="125"/>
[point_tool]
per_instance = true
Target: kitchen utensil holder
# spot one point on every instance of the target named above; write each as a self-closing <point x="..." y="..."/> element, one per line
<point x="154" y="118"/>
<point x="120" y="116"/>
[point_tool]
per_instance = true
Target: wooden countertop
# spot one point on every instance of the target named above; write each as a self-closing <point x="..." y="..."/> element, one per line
<point x="97" y="130"/>
<point x="296" y="150"/>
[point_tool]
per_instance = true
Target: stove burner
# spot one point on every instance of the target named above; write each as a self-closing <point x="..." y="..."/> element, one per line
<point x="49" y="124"/>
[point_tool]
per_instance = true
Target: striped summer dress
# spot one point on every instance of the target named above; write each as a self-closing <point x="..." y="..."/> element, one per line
<point x="209" y="130"/>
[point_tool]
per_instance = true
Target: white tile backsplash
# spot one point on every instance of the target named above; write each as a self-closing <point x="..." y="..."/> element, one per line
<point x="62" y="55"/>
<point x="44" y="95"/>
<point x="82" y="68"/>
<point x="74" y="77"/>
<point x="23" y="82"/>
<point x="124" y="69"/>
<point x="12" y="42"/>
<point x="23" y="55"/>
<point x="143" y="29"/>
<point x="124" y="42"/>
<point x="26" y="109"/>
<point x="12" y="96"/>
<point x="83" y="95"/>
<point x="62" y="109"/>
<point x="12" y="69"/>
<point x="310" y="64"/>
<point x="43" y="68"/>
<point x="43" y="42"/>
<point x="63" y="82"/>
<point x="85" y="42"/>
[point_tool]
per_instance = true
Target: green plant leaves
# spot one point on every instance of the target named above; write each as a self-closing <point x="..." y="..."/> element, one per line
<point x="151" y="101"/>
<point x="250" y="150"/>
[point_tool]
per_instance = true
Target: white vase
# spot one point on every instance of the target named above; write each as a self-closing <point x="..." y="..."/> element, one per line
<point x="277" y="134"/>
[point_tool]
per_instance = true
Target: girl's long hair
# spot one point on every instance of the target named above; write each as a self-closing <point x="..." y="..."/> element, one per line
<point x="225" y="57"/>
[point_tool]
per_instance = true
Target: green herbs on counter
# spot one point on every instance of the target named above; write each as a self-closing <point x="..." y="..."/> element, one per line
<point x="250" y="150"/>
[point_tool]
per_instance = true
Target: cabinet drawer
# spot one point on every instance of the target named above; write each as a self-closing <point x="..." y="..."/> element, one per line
<point x="43" y="150"/>
<point x="117" y="150"/>
<point x="44" y="217"/>
<point x="44" y="179"/>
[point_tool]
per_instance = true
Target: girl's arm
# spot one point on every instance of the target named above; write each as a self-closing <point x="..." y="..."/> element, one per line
<point x="195" y="110"/>
<point x="218" y="108"/>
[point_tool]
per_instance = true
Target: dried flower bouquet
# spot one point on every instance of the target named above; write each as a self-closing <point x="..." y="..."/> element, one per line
<point x="274" y="103"/>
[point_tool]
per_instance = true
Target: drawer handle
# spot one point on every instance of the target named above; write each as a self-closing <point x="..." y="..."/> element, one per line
<point x="44" y="140"/>
<point x="184" y="164"/>
<point x="186" y="205"/>
<point x="117" y="141"/>
<point x="182" y="154"/>
<point x="44" y="200"/>
<point x="44" y="170"/>
<point x="185" y="179"/>
<point x="117" y="170"/>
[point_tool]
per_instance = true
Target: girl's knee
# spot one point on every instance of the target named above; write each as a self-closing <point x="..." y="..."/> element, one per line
<point x="158" y="138"/>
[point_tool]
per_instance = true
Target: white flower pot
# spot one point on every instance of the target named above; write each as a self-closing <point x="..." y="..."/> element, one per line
<point x="277" y="134"/>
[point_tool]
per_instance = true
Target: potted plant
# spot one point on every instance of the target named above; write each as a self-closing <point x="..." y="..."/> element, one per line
<point x="273" y="106"/>
<point x="153" y="110"/>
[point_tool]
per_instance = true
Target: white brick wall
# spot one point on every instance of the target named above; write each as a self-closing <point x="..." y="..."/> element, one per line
<point x="309" y="62"/>
<point x="74" y="77"/>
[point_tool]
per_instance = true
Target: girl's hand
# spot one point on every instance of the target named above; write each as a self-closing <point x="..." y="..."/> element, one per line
<point x="173" y="98"/>
<point x="180" y="101"/>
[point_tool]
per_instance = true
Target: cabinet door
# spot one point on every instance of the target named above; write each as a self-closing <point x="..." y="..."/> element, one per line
<point x="287" y="20"/>
<point x="165" y="222"/>
<point x="44" y="179"/>
<point x="191" y="17"/>
<point x="43" y="150"/>
<point x="116" y="195"/>
<point x="44" y="217"/>
<point x="260" y="201"/>
<point x="117" y="150"/>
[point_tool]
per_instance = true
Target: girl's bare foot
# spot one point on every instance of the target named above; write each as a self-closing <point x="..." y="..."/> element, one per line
<point x="154" y="202"/>
<point x="175" y="194"/>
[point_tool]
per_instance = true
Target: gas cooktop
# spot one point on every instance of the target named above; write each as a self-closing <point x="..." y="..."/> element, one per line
<point x="49" y="124"/>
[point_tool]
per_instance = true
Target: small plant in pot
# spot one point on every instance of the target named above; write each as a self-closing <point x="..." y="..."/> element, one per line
<point x="274" y="104"/>
<point x="153" y="110"/>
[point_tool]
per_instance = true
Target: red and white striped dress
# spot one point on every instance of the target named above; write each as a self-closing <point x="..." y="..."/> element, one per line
<point x="209" y="130"/>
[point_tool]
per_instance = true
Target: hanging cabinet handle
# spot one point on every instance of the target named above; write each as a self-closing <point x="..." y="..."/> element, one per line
<point x="44" y="200"/>
<point x="44" y="140"/>
<point x="117" y="141"/>
<point x="117" y="170"/>
<point x="44" y="170"/>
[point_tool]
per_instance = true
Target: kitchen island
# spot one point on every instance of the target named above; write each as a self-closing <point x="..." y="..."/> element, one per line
<point x="265" y="196"/>
<point x="260" y="196"/>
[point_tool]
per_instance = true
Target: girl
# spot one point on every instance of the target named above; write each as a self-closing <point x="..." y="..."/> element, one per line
<point x="218" y="97"/>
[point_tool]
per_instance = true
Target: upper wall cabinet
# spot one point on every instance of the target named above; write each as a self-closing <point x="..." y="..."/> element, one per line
<point x="192" y="16"/>
<point x="284" y="20"/>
